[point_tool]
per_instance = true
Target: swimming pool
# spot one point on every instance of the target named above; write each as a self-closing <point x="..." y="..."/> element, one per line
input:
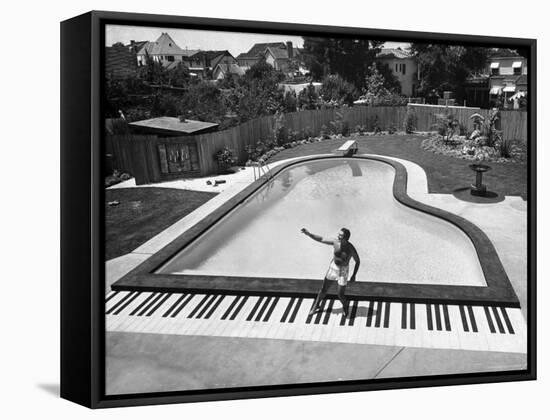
<point x="260" y="238"/>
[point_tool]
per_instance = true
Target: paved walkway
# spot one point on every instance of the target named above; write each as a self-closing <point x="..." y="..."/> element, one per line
<point x="150" y="362"/>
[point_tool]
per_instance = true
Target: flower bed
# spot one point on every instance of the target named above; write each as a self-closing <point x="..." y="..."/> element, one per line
<point x="463" y="148"/>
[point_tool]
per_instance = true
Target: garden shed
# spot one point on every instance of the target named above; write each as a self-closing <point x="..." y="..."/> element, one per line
<point x="170" y="148"/>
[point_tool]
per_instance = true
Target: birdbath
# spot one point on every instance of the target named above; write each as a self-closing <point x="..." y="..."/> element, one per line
<point x="479" y="188"/>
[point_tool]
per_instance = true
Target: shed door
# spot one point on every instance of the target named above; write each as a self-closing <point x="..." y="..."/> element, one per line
<point x="178" y="158"/>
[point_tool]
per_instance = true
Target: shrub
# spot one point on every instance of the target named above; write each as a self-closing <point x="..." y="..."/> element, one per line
<point x="225" y="156"/>
<point x="375" y="124"/>
<point x="411" y="121"/>
<point x="505" y="148"/>
<point x="345" y="128"/>
<point x="324" y="133"/>
<point x="391" y="129"/>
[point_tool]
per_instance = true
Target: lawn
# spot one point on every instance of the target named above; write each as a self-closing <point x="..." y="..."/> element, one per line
<point x="445" y="174"/>
<point x="143" y="213"/>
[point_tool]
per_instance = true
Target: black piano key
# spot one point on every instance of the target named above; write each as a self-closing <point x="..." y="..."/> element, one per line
<point x="387" y="315"/>
<point x="287" y="310"/>
<point x="159" y="304"/>
<point x="112" y="296"/>
<point x="378" y="314"/>
<point x="403" y="316"/>
<point x="231" y="306"/>
<point x="446" y="318"/>
<point x="271" y="308"/>
<point x="296" y="308"/>
<point x="437" y="317"/>
<point x="320" y="311"/>
<point x="120" y="302"/>
<point x="264" y="308"/>
<point x="429" y="315"/>
<point x="182" y="305"/>
<point x="489" y="320"/>
<point x="174" y="305"/>
<point x="206" y="307"/>
<point x="238" y="309"/>
<point x="353" y="313"/>
<point x="413" y="317"/>
<point x="463" y="317"/>
<point x="198" y="307"/>
<point x="329" y="311"/>
<point x="150" y="304"/>
<point x="214" y="307"/>
<point x="121" y="308"/>
<point x="369" y="313"/>
<point x="310" y="316"/>
<point x="142" y="304"/>
<point x="497" y="319"/>
<point x="255" y="308"/>
<point x="472" y="319"/>
<point x="507" y="320"/>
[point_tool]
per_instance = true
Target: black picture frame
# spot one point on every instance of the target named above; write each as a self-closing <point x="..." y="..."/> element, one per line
<point x="82" y="212"/>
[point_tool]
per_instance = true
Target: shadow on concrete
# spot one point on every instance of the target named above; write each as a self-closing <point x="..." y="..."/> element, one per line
<point x="52" y="389"/>
<point x="489" y="197"/>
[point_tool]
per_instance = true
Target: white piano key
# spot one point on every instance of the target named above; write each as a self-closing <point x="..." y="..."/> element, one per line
<point x="282" y="331"/>
<point x="484" y="336"/>
<point x="299" y="330"/>
<point x="181" y="322"/>
<point x="395" y="336"/>
<point x="216" y="324"/>
<point x="123" y="321"/>
<point x="239" y="324"/>
<point x="147" y="323"/>
<point x="274" y="323"/>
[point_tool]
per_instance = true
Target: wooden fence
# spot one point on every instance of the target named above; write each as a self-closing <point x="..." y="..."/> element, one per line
<point x="139" y="154"/>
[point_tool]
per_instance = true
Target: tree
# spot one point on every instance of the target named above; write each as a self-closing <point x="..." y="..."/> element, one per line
<point x="445" y="67"/>
<point x="346" y="57"/>
<point x="336" y="89"/>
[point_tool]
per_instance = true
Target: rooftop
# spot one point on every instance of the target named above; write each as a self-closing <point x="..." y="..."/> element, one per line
<point x="393" y="53"/>
<point x="164" y="45"/>
<point x="173" y="124"/>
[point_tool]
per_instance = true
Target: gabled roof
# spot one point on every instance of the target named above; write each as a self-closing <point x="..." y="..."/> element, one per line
<point x="214" y="62"/>
<point x="120" y="62"/>
<point x="393" y="53"/>
<point x="503" y="53"/>
<point x="278" y="53"/>
<point x="259" y="49"/>
<point x="164" y="45"/>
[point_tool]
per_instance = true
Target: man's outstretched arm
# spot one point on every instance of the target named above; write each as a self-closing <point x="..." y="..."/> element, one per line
<point x="315" y="237"/>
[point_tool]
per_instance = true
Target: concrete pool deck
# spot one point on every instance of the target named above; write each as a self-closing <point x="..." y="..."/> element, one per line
<point x="131" y="361"/>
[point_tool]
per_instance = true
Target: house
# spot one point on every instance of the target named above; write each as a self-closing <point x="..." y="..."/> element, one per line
<point x="120" y="62"/>
<point x="255" y="53"/>
<point x="403" y="66"/>
<point x="223" y="70"/>
<point x="164" y="50"/>
<point x="507" y="75"/>
<point x="203" y="62"/>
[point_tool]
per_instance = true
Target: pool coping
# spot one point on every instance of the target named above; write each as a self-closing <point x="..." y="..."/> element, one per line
<point x="498" y="289"/>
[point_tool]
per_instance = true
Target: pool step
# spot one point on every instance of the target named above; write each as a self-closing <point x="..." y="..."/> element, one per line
<point x="466" y="327"/>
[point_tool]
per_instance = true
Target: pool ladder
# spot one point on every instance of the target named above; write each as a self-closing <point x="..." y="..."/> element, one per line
<point x="263" y="170"/>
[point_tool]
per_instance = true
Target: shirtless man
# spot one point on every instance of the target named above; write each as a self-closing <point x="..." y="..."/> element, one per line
<point x="339" y="267"/>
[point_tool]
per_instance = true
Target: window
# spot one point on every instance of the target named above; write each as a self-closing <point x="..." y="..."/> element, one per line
<point x="170" y="57"/>
<point x="495" y="69"/>
<point x="404" y="69"/>
<point x="396" y="68"/>
<point x="517" y="68"/>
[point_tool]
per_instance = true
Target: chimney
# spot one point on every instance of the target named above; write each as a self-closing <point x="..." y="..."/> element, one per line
<point x="289" y="49"/>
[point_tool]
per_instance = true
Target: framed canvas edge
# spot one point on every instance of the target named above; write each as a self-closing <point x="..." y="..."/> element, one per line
<point x="91" y="330"/>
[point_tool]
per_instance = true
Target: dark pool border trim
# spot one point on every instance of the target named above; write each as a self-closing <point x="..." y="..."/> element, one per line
<point x="498" y="291"/>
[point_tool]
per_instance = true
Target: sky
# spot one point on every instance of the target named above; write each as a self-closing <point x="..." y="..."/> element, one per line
<point x="234" y="42"/>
